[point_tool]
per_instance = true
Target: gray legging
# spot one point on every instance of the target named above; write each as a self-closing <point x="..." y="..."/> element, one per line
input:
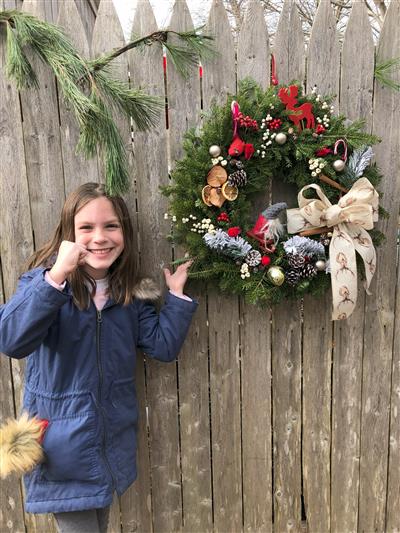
<point x="92" y="521"/>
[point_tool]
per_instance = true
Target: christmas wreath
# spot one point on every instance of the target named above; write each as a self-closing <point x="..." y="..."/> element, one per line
<point x="280" y="253"/>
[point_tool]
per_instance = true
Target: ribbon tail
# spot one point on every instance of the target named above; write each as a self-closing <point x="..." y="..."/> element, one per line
<point x="343" y="273"/>
<point x="364" y="246"/>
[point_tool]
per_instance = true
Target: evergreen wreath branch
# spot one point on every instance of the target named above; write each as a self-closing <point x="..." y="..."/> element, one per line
<point x="88" y="86"/>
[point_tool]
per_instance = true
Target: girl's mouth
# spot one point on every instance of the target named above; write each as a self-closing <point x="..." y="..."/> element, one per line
<point x="103" y="251"/>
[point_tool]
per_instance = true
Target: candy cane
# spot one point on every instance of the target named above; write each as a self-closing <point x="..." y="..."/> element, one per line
<point x="335" y="150"/>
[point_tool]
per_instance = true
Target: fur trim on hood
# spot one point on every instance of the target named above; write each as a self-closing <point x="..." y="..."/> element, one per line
<point x="146" y="289"/>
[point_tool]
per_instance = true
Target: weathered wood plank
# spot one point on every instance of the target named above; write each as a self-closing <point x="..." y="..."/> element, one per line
<point x="393" y="492"/>
<point x="42" y="144"/>
<point x="323" y="52"/>
<point x="44" y="170"/>
<point x="152" y="171"/>
<point x="289" y="45"/>
<point x="223" y="317"/>
<point x="15" y="247"/>
<point x="286" y="401"/>
<point x="317" y="331"/>
<point x="255" y="326"/>
<point x="11" y="504"/>
<point x="77" y="169"/>
<point x="356" y="87"/>
<point x="183" y="95"/>
<point x="183" y="113"/>
<point x="225" y="412"/>
<point x="256" y="377"/>
<point x="379" y="320"/>
<point x="286" y="324"/>
<point x="107" y="34"/>
<point x="219" y="73"/>
<point x="253" y="55"/>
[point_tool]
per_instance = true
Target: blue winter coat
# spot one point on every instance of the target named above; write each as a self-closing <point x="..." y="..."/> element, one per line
<point x="80" y="377"/>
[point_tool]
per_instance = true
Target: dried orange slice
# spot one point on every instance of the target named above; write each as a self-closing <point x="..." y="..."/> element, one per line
<point x="216" y="197"/>
<point x="205" y="194"/>
<point x="217" y="176"/>
<point x="230" y="192"/>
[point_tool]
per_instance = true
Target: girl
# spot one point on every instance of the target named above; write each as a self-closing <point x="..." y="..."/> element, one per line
<point x="79" y="315"/>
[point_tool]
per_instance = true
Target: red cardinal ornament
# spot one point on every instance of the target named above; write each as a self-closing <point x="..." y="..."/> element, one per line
<point x="248" y="150"/>
<point x="237" y="147"/>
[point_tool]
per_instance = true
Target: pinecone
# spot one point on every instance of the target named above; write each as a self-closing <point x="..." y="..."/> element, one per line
<point x="296" y="260"/>
<point x="308" y="271"/>
<point x="292" y="277"/>
<point x="253" y="258"/>
<point x="238" y="178"/>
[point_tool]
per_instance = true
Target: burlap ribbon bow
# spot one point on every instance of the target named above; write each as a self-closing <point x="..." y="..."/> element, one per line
<point x="355" y="213"/>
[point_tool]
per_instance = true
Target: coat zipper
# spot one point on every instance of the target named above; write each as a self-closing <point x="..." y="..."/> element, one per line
<point x="100" y="369"/>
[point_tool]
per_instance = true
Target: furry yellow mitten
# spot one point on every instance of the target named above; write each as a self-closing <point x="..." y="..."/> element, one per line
<point x="20" y="445"/>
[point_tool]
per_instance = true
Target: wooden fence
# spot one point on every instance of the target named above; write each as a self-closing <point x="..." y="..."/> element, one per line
<point x="270" y="421"/>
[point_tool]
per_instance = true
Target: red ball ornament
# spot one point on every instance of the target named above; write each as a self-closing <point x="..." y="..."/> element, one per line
<point x="234" y="232"/>
<point x="320" y="129"/>
<point x="265" y="260"/>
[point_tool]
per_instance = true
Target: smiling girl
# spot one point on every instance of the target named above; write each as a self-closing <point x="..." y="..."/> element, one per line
<point x="78" y="316"/>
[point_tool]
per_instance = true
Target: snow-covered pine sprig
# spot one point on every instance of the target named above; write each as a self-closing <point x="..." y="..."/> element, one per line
<point x="303" y="246"/>
<point x="220" y="241"/>
<point x="356" y="164"/>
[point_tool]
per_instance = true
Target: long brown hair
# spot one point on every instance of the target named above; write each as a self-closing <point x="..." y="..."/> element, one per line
<point x="121" y="274"/>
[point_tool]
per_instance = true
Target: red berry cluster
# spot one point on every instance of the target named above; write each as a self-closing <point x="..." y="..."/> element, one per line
<point x="275" y="124"/>
<point x="320" y="129"/>
<point x="223" y="217"/>
<point x="247" y="122"/>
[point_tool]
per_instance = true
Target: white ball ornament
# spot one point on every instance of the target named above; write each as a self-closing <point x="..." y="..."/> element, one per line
<point x="280" y="138"/>
<point x="214" y="150"/>
<point x="320" y="265"/>
<point x="339" y="165"/>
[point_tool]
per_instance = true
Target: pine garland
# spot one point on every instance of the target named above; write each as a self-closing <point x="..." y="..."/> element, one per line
<point x="289" y="162"/>
<point x="88" y="87"/>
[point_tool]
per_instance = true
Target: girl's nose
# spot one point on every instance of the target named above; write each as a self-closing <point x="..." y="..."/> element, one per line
<point x="99" y="236"/>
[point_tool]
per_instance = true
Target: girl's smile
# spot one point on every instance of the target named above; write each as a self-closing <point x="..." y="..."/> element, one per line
<point x="97" y="228"/>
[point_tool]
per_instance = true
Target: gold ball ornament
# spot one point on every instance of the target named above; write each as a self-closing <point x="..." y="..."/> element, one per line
<point x="214" y="150"/>
<point x="280" y="138"/>
<point x="276" y="275"/>
<point x="339" y="165"/>
<point x="320" y="265"/>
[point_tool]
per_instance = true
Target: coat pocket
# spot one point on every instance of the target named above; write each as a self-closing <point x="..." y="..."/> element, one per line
<point x="70" y="450"/>
<point x="123" y="416"/>
<point x="69" y="443"/>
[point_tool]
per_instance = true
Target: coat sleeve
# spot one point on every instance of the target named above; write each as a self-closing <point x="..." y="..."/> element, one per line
<point x="26" y="318"/>
<point x="161" y="335"/>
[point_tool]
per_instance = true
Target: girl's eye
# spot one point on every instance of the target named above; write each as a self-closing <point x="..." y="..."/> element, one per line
<point x="85" y="227"/>
<point x="113" y="226"/>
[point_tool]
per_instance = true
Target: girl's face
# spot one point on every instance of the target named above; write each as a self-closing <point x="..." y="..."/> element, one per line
<point x="97" y="227"/>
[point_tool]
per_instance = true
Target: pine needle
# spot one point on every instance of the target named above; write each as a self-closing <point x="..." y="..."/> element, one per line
<point x="384" y="71"/>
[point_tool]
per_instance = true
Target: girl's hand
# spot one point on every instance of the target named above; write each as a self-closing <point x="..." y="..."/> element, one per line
<point x="70" y="256"/>
<point x="176" y="281"/>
